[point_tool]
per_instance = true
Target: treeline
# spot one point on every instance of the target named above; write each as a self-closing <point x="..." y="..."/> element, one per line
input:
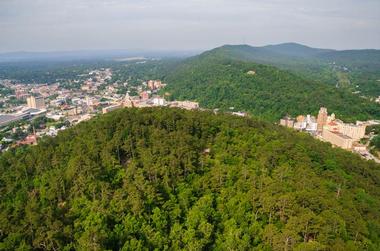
<point x="167" y="179"/>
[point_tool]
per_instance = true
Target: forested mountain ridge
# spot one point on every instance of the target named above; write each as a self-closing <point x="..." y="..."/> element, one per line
<point x="217" y="79"/>
<point x="169" y="179"/>
<point x="293" y="51"/>
<point x="296" y="50"/>
<point x="323" y="65"/>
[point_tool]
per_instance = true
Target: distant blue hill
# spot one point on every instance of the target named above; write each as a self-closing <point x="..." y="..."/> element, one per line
<point x="24" y="56"/>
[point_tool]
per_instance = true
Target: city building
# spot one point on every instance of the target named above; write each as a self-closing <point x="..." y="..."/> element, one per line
<point x="333" y="126"/>
<point x="287" y="122"/>
<point x="155" y="84"/>
<point x="301" y="123"/>
<point x="158" y="101"/>
<point x="131" y="101"/>
<point x="356" y="132"/>
<point x="36" y="102"/>
<point x="144" y="95"/>
<point x="151" y="84"/>
<point x="240" y="114"/>
<point x="322" y="118"/>
<point x="328" y="128"/>
<point x="111" y="108"/>
<point x="71" y="111"/>
<point x="21" y="94"/>
<point x="31" y="112"/>
<point x="311" y="124"/>
<point x="24" y="113"/>
<point x="188" y="105"/>
<point x="337" y="139"/>
<point x="330" y="118"/>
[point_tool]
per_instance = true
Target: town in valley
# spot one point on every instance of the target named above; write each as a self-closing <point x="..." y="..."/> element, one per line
<point x="31" y="111"/>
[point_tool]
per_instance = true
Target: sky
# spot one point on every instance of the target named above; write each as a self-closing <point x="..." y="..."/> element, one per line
<point x="56" y="25"/>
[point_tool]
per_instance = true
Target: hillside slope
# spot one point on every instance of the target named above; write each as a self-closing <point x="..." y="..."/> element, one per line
<point x="167" y="179"/>
<point x="323" y="65"/>
<point x="218" y="80"/>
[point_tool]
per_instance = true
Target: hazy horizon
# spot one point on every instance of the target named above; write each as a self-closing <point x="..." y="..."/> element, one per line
<point x="148" y="50"/>
<point x="194" y="25"/>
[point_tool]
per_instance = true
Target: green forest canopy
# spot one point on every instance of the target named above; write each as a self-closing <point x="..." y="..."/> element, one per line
<point x="217" y="81"/>
<point x="167" y="179"/>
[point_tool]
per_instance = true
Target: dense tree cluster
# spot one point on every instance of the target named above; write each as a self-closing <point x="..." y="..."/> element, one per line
<point x="217" y="81"/>
<point x="375" y="142"/>
<point x="373" y="129"/>
<point x="4" y="91"/>
<point x="362" y="68"/>
<point x="167" y="179"/>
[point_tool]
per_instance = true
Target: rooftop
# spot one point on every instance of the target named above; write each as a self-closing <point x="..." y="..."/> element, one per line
<point x="342" y="135"/>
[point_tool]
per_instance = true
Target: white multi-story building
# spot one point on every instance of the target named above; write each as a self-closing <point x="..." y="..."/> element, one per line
<point x="311" y="124"/>
<point x="159" y="101"/>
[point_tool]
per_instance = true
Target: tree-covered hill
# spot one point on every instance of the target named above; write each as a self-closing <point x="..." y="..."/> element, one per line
<point x="218" y="80"/>
<point x="167" y="179"/>
<point x="289" y="53"/>
<point x="296" y="50"/>
<point x="323" y="65"/>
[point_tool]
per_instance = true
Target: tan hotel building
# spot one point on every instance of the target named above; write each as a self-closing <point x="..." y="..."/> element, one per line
<point x="337" y="139"/>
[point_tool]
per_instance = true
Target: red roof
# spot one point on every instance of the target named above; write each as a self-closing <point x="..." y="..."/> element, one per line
<point x="29" y="140"/>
